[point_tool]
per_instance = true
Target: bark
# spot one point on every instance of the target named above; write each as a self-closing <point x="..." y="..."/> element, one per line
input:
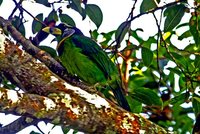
<point x="48" y="97"/>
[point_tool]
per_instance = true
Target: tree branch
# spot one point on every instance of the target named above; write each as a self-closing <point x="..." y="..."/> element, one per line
<point x="41" y="55"/>
<point x="157" y="8"/>
<point x="18" y="125"/>
<point x="51" y="98"/>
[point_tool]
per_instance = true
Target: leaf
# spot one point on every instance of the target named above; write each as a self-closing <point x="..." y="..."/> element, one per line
<point x="121" y="31"/>
<point x="180" y="99"/>
<point x="186" y="34"/>
<point x="67" y="19"/>
<point x="197" y="62"/>
<point x="174" y="70"/>
<point x="107" y="37"/>
<point x="180" y="59"/>
<point x="173" y="15"/>
<point x="76" y="5"/>
<point x="196" y="104"/>
<point x="147" y="56"/>
<point x="1" y="1"/>
<point x="136" y="106"/>
<point x="194" y="29"/>
<point x="36" y="26"/>
<point x="197" y="98"/>
<point x="52" y="16"/>
<point x="192" y="48"/>
<point x="66" y="130"/>
<point x="17" y="22"/>
<point x="183" y="25"/>
<point x="130" y="47"/>
<point x="94" y="13"/>
<point x="158" y="1"/>
<point x="147" y="5"/>
<point x="135" y="35"/>
<point x="149" y="42"/>
<point x="49" y="50"/>
<point x="33" y="132"/>
<point x="43" y="2"/>
<point x="147" y="96"/>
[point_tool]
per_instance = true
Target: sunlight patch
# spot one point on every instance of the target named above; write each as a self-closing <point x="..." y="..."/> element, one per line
<point x="12" y="95"/>
<point x="50" y="105"/>
<point x="91" y="98"/>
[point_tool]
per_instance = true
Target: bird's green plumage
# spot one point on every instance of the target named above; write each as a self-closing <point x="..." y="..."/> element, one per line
<point x="77" y="62"/>
<point x="83" y="57"/>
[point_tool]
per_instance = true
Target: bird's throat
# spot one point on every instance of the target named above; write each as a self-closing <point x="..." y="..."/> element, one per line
<point x="61" y="42"/>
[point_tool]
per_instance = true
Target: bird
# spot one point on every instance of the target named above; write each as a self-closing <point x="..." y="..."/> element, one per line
<point x="83" y="57"/>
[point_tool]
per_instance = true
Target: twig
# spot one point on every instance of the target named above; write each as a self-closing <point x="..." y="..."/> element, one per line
<point x="167" y="49"/>
<point x="15" y="9"/>
<point x="157" y="51"/>
<point x="156" y="9"/>
<point x="18" y="5"/>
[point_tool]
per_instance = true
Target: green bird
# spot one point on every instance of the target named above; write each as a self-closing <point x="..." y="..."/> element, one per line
<point x="83" y="57"/>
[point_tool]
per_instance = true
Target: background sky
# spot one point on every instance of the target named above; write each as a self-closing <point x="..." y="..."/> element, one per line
<point x="114" y="13"/>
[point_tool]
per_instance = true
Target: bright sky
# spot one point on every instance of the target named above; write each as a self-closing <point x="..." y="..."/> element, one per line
<point x="115" y="12"/>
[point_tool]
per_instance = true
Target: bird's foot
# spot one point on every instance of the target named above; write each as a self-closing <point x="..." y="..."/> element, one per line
<point x="96" y="86"/>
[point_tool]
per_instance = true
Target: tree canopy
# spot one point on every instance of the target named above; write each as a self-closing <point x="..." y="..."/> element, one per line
<point x="160" y="73"/>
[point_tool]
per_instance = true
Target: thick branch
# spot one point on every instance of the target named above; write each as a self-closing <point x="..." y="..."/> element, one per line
<point x="44" y="57"/>
<point x="60" y="102"/>
<point x="18" y="125"/>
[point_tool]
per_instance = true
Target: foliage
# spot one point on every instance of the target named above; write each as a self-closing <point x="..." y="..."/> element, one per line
<point x="151" y="80"/>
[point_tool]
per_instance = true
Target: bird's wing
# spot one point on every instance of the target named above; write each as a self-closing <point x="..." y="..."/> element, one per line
<point x="91" y="49"/>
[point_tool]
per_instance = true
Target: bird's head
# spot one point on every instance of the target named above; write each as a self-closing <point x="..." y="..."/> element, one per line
<point x="62" y="31"/>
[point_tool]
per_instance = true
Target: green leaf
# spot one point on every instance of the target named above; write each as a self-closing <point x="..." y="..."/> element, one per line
<point x="180" y="59"/>
<point x="197" y="62"/>
<point x="147" y="96"/>
<point x="76" y="5"/>
<point x="173" y="16"/>
<point x="94" y="34"/>
<point x="65" y="129"/>
<point x="67" y="19"/>
<point x="192" y="48"/>
<point x="137" y="81"/>
<point x="49" y="50"/>
<point x="194" y="29"/>
<point x="149" y="42"/>
<point x="107" y="37"/>
<point x="43" y="2"/>
<point x="186" y="34"/>
<point x="121" y="31"/>
<point x="147" y="56"/>
<point x="158" y="1"/>
<point x="174" y="70"/>
<point x="95" y="14"/>
<point x="36" y="26"/>
<point x="197" y="98"/>
<point x="52" y="16"/>
<point x="17" y="22"/>
<point x="180" y="99"/>
<point x="196" y="104"/>
<point x="135" y="35"/>
<point x="183" y="25"/>
<point x="1" y="1"/>
<point x="130" y="47"/>
<point x="136" y="106"/>
<point x="147" y="5"/>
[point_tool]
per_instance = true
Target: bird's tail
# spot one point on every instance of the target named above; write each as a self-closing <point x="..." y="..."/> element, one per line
<point x="119" y="95"/>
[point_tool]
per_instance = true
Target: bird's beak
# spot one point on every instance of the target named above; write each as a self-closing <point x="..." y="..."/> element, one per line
<point x="52" y="30"/>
